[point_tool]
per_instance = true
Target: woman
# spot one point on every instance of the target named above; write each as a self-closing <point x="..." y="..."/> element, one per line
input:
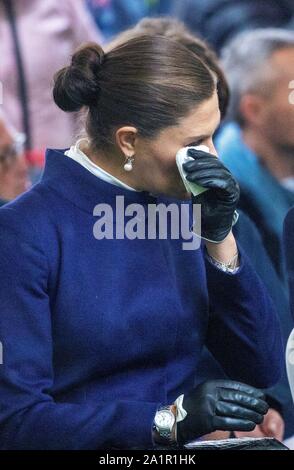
<point x="102" y="334"/>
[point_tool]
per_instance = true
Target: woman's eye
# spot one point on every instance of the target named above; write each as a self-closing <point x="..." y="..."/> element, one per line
<point x="195" y="144"/>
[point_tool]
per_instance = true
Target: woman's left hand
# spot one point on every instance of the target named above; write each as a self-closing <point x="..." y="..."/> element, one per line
<point x="272" y="426"/>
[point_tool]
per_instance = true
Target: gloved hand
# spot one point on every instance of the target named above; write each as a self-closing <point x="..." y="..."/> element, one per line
<point x="223" y="405"/>
<point x="219" y="203"/>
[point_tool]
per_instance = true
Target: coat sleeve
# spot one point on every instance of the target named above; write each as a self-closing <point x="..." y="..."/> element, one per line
<point x="244" y="331"/>
<point x="29" y="416"/>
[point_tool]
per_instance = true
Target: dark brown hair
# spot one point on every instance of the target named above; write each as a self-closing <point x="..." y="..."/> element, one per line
<point x="176" y="30"/>
<point x="148" y="82"/>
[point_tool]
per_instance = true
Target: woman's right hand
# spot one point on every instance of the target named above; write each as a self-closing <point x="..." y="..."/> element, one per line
<point x="218" y="205"/>
<point x="220" y="405"/>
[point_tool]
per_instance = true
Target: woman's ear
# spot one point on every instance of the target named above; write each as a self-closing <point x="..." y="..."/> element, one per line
<point x="252" y="108"/>
<point x="126" y="140"/>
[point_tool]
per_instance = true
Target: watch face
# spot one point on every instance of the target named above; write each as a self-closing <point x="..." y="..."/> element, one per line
<point x="164" y="419"/>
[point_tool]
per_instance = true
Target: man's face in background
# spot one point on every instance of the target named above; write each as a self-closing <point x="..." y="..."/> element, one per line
<point x="276" y="120"/>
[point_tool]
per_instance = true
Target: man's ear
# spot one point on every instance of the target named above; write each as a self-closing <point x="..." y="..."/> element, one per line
<point x="252" y="108"/>
<point x="126" y="140"/>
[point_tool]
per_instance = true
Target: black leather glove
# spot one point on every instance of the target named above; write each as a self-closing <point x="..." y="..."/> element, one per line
<point x="219" y="203"/>
<point x="223" y="405"/>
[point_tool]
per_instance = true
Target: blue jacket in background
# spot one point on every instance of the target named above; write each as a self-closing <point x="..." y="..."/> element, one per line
<point x="289" y="253"/>
<point x="218" y="21"/>
<point x="114" y="16"/>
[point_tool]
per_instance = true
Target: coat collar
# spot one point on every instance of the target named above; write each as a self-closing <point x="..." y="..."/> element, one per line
<point x="73" y="182"/>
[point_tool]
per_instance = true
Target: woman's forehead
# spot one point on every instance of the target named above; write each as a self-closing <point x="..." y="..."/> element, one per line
<point x="202" y="121"/>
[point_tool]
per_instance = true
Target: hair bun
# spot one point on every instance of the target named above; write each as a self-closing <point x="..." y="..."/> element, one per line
<point x="77" y="85"/>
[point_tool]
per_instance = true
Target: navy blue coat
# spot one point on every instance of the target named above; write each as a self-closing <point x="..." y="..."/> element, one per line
<point x="98" y="333"/>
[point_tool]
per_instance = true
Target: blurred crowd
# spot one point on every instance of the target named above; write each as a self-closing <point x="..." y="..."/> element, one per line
<point x="249" y="45"/>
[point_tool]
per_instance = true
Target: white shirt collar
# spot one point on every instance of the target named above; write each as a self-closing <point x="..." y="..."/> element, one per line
<point x="79" y="156"/>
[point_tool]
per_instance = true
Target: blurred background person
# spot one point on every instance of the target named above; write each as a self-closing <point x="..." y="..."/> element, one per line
<point x="279" y="421"/>
<point x="14" y="178"/>
<point x="114" y="16"/>
<point x="36" y="38"/>
<point x="218" y="21"/>
<point x="257" y="144"/>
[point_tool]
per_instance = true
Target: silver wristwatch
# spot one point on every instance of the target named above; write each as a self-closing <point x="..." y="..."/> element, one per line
<point x="164" y="425"/>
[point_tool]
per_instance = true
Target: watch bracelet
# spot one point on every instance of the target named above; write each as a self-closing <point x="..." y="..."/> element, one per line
<point x="162" y="440"/>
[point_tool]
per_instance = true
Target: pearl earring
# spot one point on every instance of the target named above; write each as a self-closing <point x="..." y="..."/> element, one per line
<point x="128" y="166"/>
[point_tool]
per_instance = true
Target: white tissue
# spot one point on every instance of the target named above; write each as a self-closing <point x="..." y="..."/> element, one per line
<point x="182" y="158"/>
